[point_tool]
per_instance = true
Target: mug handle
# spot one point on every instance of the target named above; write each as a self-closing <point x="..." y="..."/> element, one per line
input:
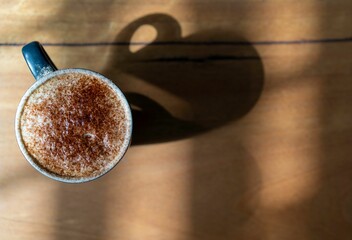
<point x="37" y="60"/>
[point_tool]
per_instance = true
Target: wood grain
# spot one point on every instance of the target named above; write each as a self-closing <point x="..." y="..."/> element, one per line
<point x="236" y="139"/>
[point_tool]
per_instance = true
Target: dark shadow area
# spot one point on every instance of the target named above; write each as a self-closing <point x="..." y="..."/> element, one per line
<point x="219" y="82"/>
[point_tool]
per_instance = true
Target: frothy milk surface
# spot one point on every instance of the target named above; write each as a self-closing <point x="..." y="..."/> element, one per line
<point x="74" y="125"/>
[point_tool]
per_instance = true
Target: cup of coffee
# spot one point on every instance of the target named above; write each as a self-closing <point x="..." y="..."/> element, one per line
<point x="72" y="125"/>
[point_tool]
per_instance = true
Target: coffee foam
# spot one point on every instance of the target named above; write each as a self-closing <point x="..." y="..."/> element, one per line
<point x="74" y="125"/>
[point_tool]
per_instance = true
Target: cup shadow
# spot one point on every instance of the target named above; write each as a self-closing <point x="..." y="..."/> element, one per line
<point x="216" y="72"/>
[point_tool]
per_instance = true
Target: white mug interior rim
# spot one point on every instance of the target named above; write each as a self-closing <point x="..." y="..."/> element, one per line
<point x="41" y="81"/>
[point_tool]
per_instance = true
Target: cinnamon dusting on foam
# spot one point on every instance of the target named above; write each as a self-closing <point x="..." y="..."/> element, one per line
<point x="74" y="125"/>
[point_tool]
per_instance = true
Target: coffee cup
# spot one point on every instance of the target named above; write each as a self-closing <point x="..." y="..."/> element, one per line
<point x="72" y="125"/>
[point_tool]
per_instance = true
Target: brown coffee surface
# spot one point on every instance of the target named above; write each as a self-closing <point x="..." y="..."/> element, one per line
<point x="74" y="125"/>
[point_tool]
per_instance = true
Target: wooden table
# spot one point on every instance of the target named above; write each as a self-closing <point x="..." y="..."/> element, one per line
<point x="243" y="119"/>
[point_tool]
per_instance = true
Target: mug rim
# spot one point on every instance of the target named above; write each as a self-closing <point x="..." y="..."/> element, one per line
<point x="32" y="160"/>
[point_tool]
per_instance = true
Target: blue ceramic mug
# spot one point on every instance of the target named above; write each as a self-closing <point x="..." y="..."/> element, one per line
<point x="43" y="69"/>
